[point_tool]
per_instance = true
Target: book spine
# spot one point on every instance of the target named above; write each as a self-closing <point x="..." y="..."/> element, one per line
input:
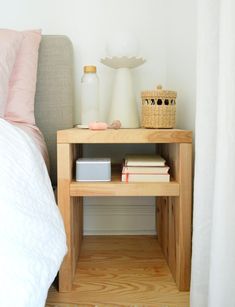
<point x="125" y="177"/>
<point x="142" y="170"/>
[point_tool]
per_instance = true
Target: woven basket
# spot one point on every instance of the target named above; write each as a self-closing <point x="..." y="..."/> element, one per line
<point x="158" y="108"/>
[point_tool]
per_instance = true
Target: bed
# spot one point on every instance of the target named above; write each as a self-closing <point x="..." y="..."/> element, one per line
<point x="32" y="236"/>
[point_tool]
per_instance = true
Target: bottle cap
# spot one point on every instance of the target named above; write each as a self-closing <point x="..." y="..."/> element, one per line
<point x="89" y="69"/>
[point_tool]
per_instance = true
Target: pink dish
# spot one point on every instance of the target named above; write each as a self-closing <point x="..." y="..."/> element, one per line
<point x="98" y="126"/>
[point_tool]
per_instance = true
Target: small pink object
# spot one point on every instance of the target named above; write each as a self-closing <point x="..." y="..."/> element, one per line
<point x="116" y="124"/>
<point x="98" y="126"/>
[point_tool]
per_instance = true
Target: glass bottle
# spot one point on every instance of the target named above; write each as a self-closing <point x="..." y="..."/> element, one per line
<point x="89" y="96"/>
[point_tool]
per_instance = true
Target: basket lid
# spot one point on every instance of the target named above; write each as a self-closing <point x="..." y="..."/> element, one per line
<point x="159" y="93"/>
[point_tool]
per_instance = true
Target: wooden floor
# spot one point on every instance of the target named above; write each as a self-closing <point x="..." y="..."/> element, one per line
<point x="118" y="271"/>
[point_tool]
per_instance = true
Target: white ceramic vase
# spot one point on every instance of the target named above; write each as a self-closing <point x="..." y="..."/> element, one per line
<point x="123" y="105"/>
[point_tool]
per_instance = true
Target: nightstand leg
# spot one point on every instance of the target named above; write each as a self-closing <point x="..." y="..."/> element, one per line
<point x="71" y="211"/>
<point x="174" y="215"/>
<point x="182" y="206"/>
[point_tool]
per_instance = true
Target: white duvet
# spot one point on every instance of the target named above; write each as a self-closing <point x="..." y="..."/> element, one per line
<point x="32" y="237"/>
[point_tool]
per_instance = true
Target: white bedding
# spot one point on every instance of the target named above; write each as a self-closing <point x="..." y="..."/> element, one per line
<point x="36" y="135"/>
<point x="32" y="237"/>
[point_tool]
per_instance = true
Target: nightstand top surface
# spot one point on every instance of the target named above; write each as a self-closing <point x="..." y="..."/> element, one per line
<point x="122" y="136"/>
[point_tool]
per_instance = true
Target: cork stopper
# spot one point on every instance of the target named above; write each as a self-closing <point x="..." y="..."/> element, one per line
<point x="89" y="69"/>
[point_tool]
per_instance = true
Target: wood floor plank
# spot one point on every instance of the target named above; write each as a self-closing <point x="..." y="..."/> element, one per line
<point x="121" y="271"/>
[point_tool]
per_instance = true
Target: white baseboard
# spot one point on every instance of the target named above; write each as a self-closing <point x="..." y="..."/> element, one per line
<point x="119" y="216"/>
<point x="119" y="233"/>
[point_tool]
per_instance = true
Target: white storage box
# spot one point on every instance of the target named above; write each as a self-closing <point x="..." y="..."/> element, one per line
<point x="93" y="169"/>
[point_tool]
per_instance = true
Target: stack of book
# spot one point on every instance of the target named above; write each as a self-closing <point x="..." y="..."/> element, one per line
<point x="145" y="168"/>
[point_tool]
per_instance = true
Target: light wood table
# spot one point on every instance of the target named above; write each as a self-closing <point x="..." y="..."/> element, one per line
<point x="174" y="206"/>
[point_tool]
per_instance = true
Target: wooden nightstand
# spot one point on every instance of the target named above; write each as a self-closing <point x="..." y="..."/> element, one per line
<point x="174" y="207"/>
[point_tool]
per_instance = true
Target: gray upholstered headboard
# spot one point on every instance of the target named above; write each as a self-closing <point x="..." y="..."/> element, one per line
<point x="55" y="91"/>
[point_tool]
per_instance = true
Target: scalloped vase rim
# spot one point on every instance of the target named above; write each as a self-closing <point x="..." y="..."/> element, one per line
<point x="123" y="57"/>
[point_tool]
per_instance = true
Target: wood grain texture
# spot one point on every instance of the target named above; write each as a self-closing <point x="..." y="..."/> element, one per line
<point x="71" y="213"/>
<point x="121" y="271"/>
<point x="162" y="222"/>
<point x="172" y="224"/>
<point x="179" y="213"/>
<point x="124" y="136"/>
<point x="183" y="218"/>
<point x="118" y="188"/>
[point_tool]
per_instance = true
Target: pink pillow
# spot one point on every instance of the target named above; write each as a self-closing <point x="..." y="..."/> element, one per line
<point x="9" y="45"/>
<point x="22" y="87"/>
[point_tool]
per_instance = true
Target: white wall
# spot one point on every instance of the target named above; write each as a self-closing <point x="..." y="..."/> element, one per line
<point x="181" y="58"/>
<point x="89" y="24"/>
<point x="166" y="35"/>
